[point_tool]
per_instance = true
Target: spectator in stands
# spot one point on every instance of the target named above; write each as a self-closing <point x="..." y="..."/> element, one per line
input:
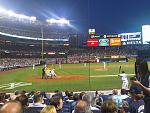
<point x="38" y="101"/>
<point x="109" y="107"/>
<point x="11" y="107"/>
<point x="87" y="98"/>
<point x="23" y="99"/>
<point x="144" y="82"/>
<point x="76" y="97"/>
<point x="16" y="94"/>
<point x="82" y="107"/>
<point x="2" y="98"/>
<point x="58" y="93"/>
<point x="57" y="102"/>
<point x="81" y="95"/>
<point x="117" y="98"/>
<point x="124" y="93"/>
<point x="69" y="95"/>
<point x="136" y="104"/>
<point x="49" y="109"/>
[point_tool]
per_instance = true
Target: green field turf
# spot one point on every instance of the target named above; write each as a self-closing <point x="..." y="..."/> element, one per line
<point x="97" y="77"/>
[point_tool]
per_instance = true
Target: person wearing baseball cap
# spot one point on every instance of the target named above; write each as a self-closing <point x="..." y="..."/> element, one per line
<point x="137" y="103"/>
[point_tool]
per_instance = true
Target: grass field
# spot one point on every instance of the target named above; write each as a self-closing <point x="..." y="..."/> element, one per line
<point x="73" y="77"/>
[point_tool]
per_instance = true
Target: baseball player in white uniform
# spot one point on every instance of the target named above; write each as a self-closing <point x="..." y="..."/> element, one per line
<point x="49" y="74"/>
<point x="53" y="72"/>
<point x="124" y="80"/>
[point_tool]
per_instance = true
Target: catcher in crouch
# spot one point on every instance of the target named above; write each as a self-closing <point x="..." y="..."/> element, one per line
<point x="50" y="73"/>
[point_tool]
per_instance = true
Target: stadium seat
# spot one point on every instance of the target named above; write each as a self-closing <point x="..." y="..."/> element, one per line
<point x="68" y="107"/>
<point x="96" y="111"/>
<point x="32" y="110"/>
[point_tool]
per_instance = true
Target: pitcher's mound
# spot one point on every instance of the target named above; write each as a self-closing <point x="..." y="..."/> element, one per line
<point x="57" y="78"/>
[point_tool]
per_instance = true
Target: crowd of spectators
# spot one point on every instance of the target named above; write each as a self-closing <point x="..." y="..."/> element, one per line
<point x="28" y="56"/>
<point x="10" y="63"/>
<point x="20" y="28"/>
<point x="130" y="101"/>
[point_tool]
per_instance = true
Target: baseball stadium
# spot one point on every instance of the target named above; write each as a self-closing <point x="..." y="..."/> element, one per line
<point x="52" y="56"/>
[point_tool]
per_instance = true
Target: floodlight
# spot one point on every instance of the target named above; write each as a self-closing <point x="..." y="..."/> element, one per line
<point x="32" y="18"/>
<point x="21" y="16"/>
<point x="11" y="13"/>
<point x="61" y="21"/>
<point x="2" y="10"/>
<point x="53" y="21"/>
<point x="64" y="21"/>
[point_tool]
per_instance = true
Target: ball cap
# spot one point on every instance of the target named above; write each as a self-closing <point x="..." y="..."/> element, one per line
<point x="136" y="89"/>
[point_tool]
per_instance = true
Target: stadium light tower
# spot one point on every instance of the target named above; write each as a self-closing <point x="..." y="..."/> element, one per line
<point x="61" y="21"/>
<point x="16" y="15"/>
<point x="2" y="10"/>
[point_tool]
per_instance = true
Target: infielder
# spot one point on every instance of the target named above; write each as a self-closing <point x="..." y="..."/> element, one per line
<point x="124" y="80"/>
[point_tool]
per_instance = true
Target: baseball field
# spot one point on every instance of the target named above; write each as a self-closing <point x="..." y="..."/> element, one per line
<point x="72" y="77"/>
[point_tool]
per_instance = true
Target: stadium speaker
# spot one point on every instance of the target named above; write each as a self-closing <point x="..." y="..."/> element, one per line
<point x="143" y="54"/>
<point x="42" y="62"/>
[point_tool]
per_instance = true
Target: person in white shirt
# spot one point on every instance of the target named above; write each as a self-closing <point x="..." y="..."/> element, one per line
<point x="49" y="74"/>
<point x="38" y="101"/>
<point x="124" y="79"/>
<point x="53" y="72"/>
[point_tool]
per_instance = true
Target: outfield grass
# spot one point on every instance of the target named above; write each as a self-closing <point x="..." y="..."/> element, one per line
<point x="100" y="81"/>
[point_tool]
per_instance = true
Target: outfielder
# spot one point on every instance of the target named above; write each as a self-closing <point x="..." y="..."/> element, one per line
<point x="124" y="80"/>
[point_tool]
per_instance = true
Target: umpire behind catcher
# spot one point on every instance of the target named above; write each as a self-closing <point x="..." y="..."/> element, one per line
<point x="43" y="72"/>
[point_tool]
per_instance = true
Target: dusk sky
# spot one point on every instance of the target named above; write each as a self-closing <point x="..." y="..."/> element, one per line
<point x="106" y="16"/>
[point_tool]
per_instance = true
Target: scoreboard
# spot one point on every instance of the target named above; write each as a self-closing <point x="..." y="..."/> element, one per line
<point x="104" y="40"/>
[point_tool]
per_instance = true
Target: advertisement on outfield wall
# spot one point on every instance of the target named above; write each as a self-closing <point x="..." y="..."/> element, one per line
<point x="131" y="38"/>
<point x="146" y="34"/>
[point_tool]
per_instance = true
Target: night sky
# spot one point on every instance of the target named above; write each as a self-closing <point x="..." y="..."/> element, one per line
<point x="107" y="16"/>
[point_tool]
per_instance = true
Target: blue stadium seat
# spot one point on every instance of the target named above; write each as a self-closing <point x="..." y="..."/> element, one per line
<point x="32" y="110"/>
<point x="96" y="111"/>
<point x="68" y="107"/>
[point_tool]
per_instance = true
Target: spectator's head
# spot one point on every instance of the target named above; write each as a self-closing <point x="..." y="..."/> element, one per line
<point x="2" y="98"/>
<point x="143" y="68"/>
<point x="124" y="92"/>
<point x="115" y="92"/>
<point x="23" y="99"/>
<point x="87" y="98"/>
<point x="136" y="92"/>
<point x="57" y="102"/>
<point x="11" y="107"/>
<point x="49" y="109"/>
<point x="123" y="71"/>
<point x="17" y="92"/>
<point x="82" y="107"/>
<point x="66" y="92"/>
<point x="81" y="95"/>
<point x="38" y="98"/>
<point x="43" y="94"/>
<point x="23" y="92"/>
<point x="70" y="95"/>
<point x="109" y="107"/>
<point x="76" y="97"/>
